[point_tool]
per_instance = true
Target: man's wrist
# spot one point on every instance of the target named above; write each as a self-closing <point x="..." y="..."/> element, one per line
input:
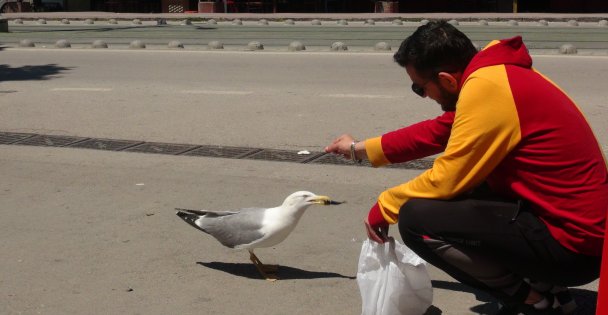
<point x="375" y="217"/>
<point x="353" y="152"/>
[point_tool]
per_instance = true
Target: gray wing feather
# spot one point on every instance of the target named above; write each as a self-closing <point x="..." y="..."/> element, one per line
<point x="234" y="228"/>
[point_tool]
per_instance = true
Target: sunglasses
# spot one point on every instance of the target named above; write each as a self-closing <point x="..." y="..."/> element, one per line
<point x="419" y="89"/>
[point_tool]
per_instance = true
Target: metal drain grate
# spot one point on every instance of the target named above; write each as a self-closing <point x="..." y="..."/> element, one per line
<point x="162" y="148"/>
<point x="106" y="144"/>
<point x="50" y="141"/>
<point x="222" y="152"/>
<point x="282" y="156"/>
<point x="421" y="164"/>
<point x="12" y="137"/>
<point x="193" y="150"/>
<point x="337" y="160"/>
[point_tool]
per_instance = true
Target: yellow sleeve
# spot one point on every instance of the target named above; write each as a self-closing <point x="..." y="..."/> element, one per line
<point x="485" y="130"/>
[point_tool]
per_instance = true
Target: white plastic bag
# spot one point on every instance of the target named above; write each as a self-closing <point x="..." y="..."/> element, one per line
<point x="393" y="280"/>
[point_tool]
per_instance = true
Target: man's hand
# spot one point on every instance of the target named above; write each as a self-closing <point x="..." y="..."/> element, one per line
<point x="341" y="146"/>
<point x="379" y="235"/>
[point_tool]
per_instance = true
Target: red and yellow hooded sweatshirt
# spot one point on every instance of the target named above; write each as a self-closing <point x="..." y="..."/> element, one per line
<point x="518" y="131"/>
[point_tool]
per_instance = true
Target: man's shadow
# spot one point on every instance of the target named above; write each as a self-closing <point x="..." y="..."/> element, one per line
<point x="248" y="270"/>
<point x="586" y="300"/>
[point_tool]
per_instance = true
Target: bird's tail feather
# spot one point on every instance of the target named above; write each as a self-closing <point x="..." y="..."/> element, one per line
<point x="190" y="218"/>
<point x="207" y="213"/>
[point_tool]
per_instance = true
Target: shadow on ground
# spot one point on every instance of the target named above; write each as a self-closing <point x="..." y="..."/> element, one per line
<point x="285" y="273"/>
<point x="586" y="300"/>
<point x="26" y="73"/>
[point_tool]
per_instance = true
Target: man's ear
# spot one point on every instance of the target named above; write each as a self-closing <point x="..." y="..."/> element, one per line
<point x="449" y="81"/>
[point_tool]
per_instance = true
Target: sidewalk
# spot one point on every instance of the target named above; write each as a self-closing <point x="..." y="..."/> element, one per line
<point x="322" y="16"/>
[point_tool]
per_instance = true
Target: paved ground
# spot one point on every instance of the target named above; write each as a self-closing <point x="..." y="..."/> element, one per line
<point x="94" y="231"/>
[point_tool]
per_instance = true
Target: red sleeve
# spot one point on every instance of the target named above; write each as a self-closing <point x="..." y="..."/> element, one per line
<point x="375" y="217"/>
<point x="419" y="140"/>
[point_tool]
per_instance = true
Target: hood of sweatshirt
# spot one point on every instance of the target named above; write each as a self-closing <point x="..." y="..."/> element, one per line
<point x="511" y="51"/>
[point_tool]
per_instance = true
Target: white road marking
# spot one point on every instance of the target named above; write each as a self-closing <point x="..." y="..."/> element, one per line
<point x="215" y="92"/>
<point x="81" y="89"/>
<point x="359" y="96"/>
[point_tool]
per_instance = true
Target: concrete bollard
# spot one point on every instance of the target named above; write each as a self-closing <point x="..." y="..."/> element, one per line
<point x="97" y="44"/>
<point x="512" y="23"/>
<point x="338" y="46"/>
<point x="26" y="43"/>
<point x="483" y="22"/>
<point x="572" y="23"/>
<point x="543" y="23"/>
<point x="453" y="22"/>
<point x="136" y="22"/>
<point x="112" y="21"/>
<point x="89" y="21"/>
<point x="237" y="22"/>
<point x="568" y="49"/>
<point x="382" y="46"/>
<point x="175" y="44"/>
<point x="20" y="21"/>
<point x="290" y="22"/>
<point x="62" y="43"/>
<point x="263" y="22"/>
<point x="214" y="44"/>
<point x="41" y="21"/>
<point x="424" y="22"/>
<point x="603" y="23"/>
<point x="255" y="45"/>
<point x="212" y="22"/>
<point x="315" y="22"/>
<point x="397" y="22"/>
<point x="137" y="44"/>
<point x="296" y="46"/>
<point x="65" y="21"/>
<point x="342" y="22"/>
<point x="370" y="22"/>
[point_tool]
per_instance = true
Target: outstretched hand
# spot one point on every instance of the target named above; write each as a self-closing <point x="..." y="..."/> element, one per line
<point x="341" y="146"/>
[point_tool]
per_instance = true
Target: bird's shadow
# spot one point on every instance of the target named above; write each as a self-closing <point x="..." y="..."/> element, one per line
<point x="248" y="270"/>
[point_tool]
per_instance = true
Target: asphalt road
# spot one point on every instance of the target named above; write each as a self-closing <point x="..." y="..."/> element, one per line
<point x="213" y="97"/>
<point x="94" y="231"/>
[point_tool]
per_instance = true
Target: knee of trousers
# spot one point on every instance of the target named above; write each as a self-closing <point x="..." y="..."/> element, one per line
<point x="414" y="215"/>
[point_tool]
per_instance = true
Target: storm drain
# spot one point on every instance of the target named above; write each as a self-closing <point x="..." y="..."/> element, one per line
<point x="106" y="144"/>
<point x="222" y="152"/>
<point x="283" y="156"/>
<point x="421" y="164"/>
<point x="50" y="141"/>
<point x="12" y="137"/>
<point x="337" y="160"/>
<point x="162" y="148"/>
<point x="302" y="157"/>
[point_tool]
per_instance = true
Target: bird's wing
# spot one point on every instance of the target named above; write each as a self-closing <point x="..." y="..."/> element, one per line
<point x="236" y="228"/>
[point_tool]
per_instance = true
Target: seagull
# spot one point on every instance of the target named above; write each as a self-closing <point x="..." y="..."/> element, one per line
<point x="251" y="228"/>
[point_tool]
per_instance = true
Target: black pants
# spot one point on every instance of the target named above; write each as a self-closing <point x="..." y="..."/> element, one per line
<point x="491" y="244"/>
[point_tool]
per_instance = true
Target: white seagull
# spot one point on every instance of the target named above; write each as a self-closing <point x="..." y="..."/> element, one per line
<point x="251" y="228"/>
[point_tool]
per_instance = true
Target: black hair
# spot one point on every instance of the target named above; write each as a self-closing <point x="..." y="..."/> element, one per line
<point x="434" y="47"/>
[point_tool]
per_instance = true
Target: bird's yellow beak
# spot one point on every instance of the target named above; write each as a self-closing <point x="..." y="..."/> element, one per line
<point x="326" y="201"/>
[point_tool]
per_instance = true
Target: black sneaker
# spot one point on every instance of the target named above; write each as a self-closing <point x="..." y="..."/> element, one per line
<point x="526" y="309"/>
<point x="566" y="302"/>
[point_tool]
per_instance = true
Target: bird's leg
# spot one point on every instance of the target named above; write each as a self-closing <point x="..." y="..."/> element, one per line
<point x="267" y="271"/>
